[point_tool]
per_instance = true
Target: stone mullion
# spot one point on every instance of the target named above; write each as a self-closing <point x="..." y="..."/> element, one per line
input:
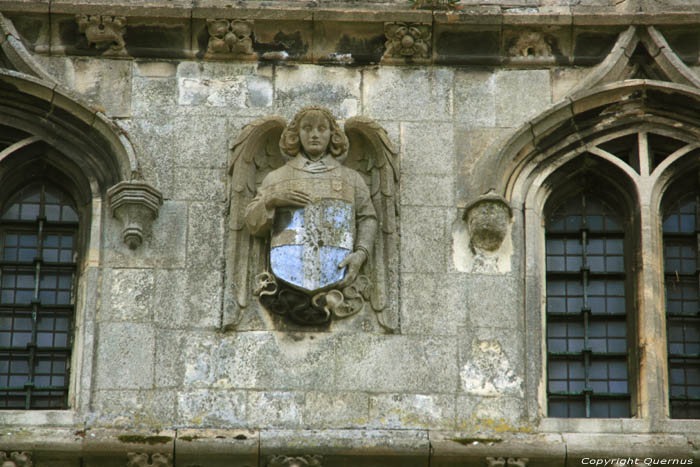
<point x="651" y="329"/>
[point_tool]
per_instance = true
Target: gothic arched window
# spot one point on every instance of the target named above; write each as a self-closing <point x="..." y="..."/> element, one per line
<point x="38" y="253"/>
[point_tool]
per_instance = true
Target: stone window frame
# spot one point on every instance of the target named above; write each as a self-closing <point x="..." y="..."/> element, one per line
<point x="92" y="154"/>
<point x="520" y="170"/>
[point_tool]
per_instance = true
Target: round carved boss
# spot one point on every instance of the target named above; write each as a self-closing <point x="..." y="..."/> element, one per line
<point x="487" y="221"/>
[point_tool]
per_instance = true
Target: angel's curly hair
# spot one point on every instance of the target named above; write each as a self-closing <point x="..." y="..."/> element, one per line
<point x="291" y="144"/>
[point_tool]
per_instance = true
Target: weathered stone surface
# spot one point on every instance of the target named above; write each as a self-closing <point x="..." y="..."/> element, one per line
<point x="491" y="363"/>
<point x="475" y="98"/>
<point x="434" y="304"/>
<point x="217" y="448"/>
<point x="164" y="247"/>
<point x="410" y="363"/>
<point x="205" y="235"/>
<point x="199" y="184"/>
<point x="212" y="407"/>
<point x="423" y="246"/>
<point x="396" y="94"/>
<point x="565" y="79"/>
<point x="494" y="301"/>
<point x="412" y="411"/>
<point x="426" y="148"/>
<point x="427" y="190"/>
<point x="125" y="356"/>
<point x="331" y="410"/>
<point x="188" y="298"/>
<point x="337" y="88"/>
<point x="498" y="414"/>
<point x="275" y="409"/>
<point x="131" y="293"/>
<point x="533" y="88"/>
<point x="151" y="408"/>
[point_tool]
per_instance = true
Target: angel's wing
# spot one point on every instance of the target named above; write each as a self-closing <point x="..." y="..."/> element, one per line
<point x="253" y="155"/>
<point x="372" y="154"/>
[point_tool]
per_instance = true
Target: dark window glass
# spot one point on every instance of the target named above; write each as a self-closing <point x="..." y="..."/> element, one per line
<point x="38" y="229"/>
<point x="587" y="372"/>
<point x="681" y="236"/>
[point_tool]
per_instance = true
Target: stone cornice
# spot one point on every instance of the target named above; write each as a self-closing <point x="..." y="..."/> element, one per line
<point x="342" y="33"/>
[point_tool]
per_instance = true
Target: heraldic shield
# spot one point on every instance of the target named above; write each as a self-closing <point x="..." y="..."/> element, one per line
<point x="308" y="244"/>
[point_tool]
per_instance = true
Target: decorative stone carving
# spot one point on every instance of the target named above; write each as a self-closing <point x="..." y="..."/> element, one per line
<point x="229" y="38"/>
<point x="530" y="44"/>
<point x="135" y="204"/>
<point x="15" y="459"/>
<point x="104" y="32"/>
<point x="299" y="461"/>
<point x="509" y="462"/>
<point x="407" y="40"/>
<point x="141" y="459"/>
<point x="487" y="221"/>
<point x="319" y="205"/>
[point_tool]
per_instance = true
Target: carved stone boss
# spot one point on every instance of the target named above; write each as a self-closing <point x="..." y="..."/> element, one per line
<point x="295" y="461"/>
<point x="104" y="32"/>
<point x="15" y="459"/>
<point x="135" y="204"/>
<point x="487" y="219"/>
<point x="230" y="38"/>
<point x="140" y="459"/>
<point x="325" y="216"/>
<point x="407" y="41"/>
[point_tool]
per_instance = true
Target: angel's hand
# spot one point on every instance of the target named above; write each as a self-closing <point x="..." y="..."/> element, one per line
<point x="354" y="262"/>
<point x="278" y="199"/>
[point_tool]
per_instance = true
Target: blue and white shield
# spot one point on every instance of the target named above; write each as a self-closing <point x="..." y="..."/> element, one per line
<point x="308" y="243"/>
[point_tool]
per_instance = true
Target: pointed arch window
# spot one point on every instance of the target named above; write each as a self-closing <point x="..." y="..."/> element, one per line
<point x="681" y="234"/>
<point x="587" y="370"/>
<point x="38" y="248"/>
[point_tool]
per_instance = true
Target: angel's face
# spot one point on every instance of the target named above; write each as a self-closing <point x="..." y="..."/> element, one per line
<point x="314" y="134"/>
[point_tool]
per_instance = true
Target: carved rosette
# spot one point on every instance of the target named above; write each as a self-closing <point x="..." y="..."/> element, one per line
<point x="230" y="38"/>
<point x="106" y="33"/>
<point x="487" y="222"/>
<point x="407" y="41"/>
<point x="15" y="459"/>
<point x="141" y="459"/>
<point x="298" y="461"/>
<point x="135" y="204"/>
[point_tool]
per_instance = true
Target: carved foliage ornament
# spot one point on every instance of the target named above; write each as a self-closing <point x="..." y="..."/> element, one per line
<point x="507" y="462"/>
<point x="407" y="40"/>
<point x="15" y="459"/>
<point x="311" y="220"/>
<point x="106" y="33"/>
<point x="229" y="37"/>
<point x="141" y="459"/>
<point x="300" y="461"/>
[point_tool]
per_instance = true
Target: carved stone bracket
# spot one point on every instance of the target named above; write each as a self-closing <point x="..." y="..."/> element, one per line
<point x="136" y="204"/>
<point x="291" y="461"/>
<point x="530" y="43"/>
<point x="140" y="459"/>
<point x="15" y="459"/>
<point x="407" y="41"/>
<point x="487" y="222"/>
<point x="104" y="32"/>
<point x="229" y="38"/>
<point x="506" y="462"/>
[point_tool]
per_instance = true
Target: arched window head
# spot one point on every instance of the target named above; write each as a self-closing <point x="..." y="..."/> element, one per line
<point x="586" y="303"/>
<point x="38" y="257"/>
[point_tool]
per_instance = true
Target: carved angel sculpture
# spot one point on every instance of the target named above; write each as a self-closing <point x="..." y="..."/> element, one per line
<point x="313" y="219"/>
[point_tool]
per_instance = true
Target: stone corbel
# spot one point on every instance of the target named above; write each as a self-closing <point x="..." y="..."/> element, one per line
<point x="292" y="461"/>
<point x="136" y="205"/>
<point x="230" y="38"/>
<point x="104" y="32"/>
<point x="140" y="459"/>
<point x="407" y="42"/>
<point x="487" y="219"/>
<point x="15" y="459"/>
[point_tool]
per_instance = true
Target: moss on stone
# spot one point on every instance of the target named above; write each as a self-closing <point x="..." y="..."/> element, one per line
<point x="144" y="439"/>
